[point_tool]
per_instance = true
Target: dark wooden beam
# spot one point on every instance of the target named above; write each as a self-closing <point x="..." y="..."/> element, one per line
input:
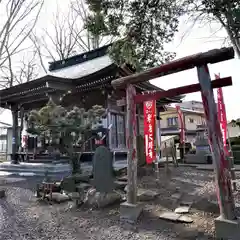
<point x="60" y="86"/>
<point x="222" y="82"/>
<point x="31" y="96"/>
<point x="189" y="62"/>
<point x="35" y="105"/>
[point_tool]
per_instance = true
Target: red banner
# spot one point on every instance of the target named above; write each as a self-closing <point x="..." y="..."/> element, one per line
<point x="222" y="116"/>
<point x="181" y="124"/>
<point x="149" y="130"/>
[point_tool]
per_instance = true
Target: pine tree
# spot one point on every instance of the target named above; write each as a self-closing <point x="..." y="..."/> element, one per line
<point x="142" y="28"/>
<point x="66" y="128"/>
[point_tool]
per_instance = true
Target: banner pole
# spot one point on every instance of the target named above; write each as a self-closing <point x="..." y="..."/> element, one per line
<point x="158" y="143"/>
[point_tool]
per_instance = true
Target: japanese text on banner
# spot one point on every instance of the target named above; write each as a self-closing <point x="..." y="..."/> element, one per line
<point x="149" y="130"/>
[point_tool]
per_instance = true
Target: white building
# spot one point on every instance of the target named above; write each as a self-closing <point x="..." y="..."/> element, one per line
<point x="233" y="130"/>
<point x="192" y="105"/>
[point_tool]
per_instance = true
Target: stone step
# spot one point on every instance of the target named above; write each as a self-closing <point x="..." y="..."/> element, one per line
<point x="123" y="178"/>
<point x="48" y="157"/>
<point x="61" y="161"/>
<point x="175" y="217"/>
<point x="35" y="167"/>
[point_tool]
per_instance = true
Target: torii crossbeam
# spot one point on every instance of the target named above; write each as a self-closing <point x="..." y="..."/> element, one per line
<point x="224" y="192"/>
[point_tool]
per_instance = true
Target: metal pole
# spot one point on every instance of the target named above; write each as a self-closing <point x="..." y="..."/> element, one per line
<point x="158" y="144"/>
<point x="166" y="163"/>
<point x="223" y="180"/>
<point x="131" y="144"/>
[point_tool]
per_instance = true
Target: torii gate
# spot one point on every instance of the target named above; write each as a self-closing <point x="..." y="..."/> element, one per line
<point x="224" y="192"/>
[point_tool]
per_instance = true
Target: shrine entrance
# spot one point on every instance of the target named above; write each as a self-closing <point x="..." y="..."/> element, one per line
<point x="205" y="86"/>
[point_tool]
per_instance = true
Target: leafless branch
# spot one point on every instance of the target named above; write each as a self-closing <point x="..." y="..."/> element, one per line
<point x="38" y="49"/>
<point x="61" y="40"/>
<point x="79" y="8"/>
<point x="24" y="71"/>
<point x="224" y="15"/>
<point x="17" y="24"/>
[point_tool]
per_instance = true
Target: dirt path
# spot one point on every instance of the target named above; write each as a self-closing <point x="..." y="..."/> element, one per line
<point x="22" y="217"/>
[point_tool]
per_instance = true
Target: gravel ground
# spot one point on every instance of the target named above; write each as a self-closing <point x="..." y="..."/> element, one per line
<point x="22" y="217"/>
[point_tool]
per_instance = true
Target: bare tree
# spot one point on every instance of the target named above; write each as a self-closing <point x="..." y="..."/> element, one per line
<point x="24" y="70"/>
<point x="80" y="9"/>
<point x="66" y="36"/>
<point x="18" y="18"/>
<point x="224" y="12"/>
<point x="60" y="40"/>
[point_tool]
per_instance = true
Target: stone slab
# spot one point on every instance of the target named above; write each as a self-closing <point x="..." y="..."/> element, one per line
<point x="120" y="184"/>
<point x="185" y="219"/>
<point x="58" y="197"/>
<point x="146" y="195"/>
<point x="176" y="196"/>
<point x="227" y="229"/>
<point x="130" y="212"/>
<point x="182" y="209"/>
<point x="175" y="217"/>
<point x="186" y="203"/>
<point x="96" y="199"/>
<point x="171" y="216"/>
<point x="123" y="178"/>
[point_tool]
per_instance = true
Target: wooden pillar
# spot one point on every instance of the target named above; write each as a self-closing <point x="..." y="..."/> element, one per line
<point x="222" y="174"/>
<point x="131" y="145"/>
<point x="15" y="138"/>
<point x="21" y="127"/>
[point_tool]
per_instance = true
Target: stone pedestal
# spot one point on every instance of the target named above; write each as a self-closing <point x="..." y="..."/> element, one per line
<point x="130" y="212"/>
<point x="2" y="193"/>
<point x="227" y="229"/>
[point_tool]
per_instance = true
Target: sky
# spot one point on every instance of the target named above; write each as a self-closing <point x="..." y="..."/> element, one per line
<point x="189" y="40"/>
<point x="198" y="40"/>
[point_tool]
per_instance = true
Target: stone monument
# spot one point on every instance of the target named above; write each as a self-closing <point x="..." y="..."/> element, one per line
<point x="103" y="179"/>
<point x="102" y="193"/>
<point x="203" y="154"/>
